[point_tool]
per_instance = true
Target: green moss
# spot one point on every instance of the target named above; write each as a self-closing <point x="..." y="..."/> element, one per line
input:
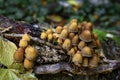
<point x="101" y="34"/>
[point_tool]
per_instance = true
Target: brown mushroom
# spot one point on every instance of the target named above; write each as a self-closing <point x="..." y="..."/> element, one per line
<point x="49" y="31"/>
<point x="94" y="61"/>
<point x="86" y="52"/>
<point x="50" y="37"/>
<point x="28" y="64"/>
<point x="73" y="27"/>
<point x="71" y="35"/>
<point x="30" y="53"/>
<point x="86" y="36"/>
<point x="19" y="55"/>
<point x="67" y="44"/>
<point x="58" y="29"/>
<point x="75" y="40"/>
<point x="60" y="41"/>
<point x="85" y="62"/>
<point x="71" y="52"/>
<point x="64" y="34"/>
<point x="77" y="58"/>
<point x="43" y="35"/>
<point x="81" y="45"/>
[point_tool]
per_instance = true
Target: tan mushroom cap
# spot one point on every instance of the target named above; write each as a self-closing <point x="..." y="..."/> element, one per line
<point x="64" y="34"/>
<point x="86" y="36"/>
<point x="58" y="29"/>
<point x="67" y="44"/>
<point x="73" y="27"/>
<point x="75" y="40"/>
<point x="71" y="52"/>
<point x="71" y="35"/>
<point x="94" y="61"/>
<point x="55" y="35"/>
<point x="86" y="52"/>
<point x="60" y="41"/>
<point x="77" y="58"/>
<point x="81" y="45"/>
<point x="50" y="37"/>
<point x="43" y="35"/>
<point x="73" y="20"/>
<point x="88" y="26"/>
<point x="85" y="62"/>
<point x="49" y="31"/>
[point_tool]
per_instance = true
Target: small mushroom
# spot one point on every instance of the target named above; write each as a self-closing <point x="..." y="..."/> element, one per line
<point x="26" y="37"/>
<point x="67" y="44"/>
<point x="19" y="55"/>
<point x="23" y="43"/>
<point x="30" y="53"/>
<point x="55" y="35"/>
<point x="75" y="40"/>
<point x="86" y="36"/>
<point x="85" y="62"/>
<point x="77" y="58"/>
<point x="94" y="61"/>
<point x="86" y="52"/>
<point x="60" y="41"/>
<point x="28" y="64"/>
<point x="88" y="26"/>
<point x="50" y="37"/>
<point x="71" y="52"/>
<point x="49" y="31"/>
<point x="73" y="20"/>
<point x="73" y="27"/>
<point x="58" y="29"/>
<point x="64" y="34"/>
<point x="71" y="35"/>
<point x="81" y="45"/>
<point x="43" y="35"/>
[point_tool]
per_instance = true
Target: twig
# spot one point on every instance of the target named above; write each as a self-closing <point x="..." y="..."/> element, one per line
<point x="34" y="39"/>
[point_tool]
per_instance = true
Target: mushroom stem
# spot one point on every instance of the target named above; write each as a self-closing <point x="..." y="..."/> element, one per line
<point x="34" y="39"/>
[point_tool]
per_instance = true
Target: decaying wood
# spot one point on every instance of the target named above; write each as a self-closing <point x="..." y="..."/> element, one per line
<point x="13" y="29"/>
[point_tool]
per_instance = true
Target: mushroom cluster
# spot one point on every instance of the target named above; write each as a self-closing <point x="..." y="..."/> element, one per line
<point x="25" y="53"/>
<point x="81" y="44"/>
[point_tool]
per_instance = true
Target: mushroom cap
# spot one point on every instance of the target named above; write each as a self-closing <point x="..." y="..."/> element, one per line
<point x="58" y="29"/>
<point x="26" y="37"/>
<point x="81" y="45"/>
<point x="71" y="52"/>
<point x="43" y="35"/>
<point x="71" y="35"/>
<point x="86" y="52"/>
<point x="67" y="44"/>
<point x="55" y="35"/>
<point x="93" y="62"/>
<point x="30" y="53"/>
<point x="85" y="62"/>
<point x="50" y="37"/>
<point x="86" y="36"/>
<point x="64" y="34"/>
<point x="60" y="41"/>
<point x="73" y="27"/>
<point x="23" y="43"/>
<point x="77" y="58"/>
<point x="28" y="64"/>
<point x="75" y="40"/>
<point x="19" y="55"/>
<point x="73" y="20"/>
<point x="88" y="26"/>
<point x="49" y="31"/>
